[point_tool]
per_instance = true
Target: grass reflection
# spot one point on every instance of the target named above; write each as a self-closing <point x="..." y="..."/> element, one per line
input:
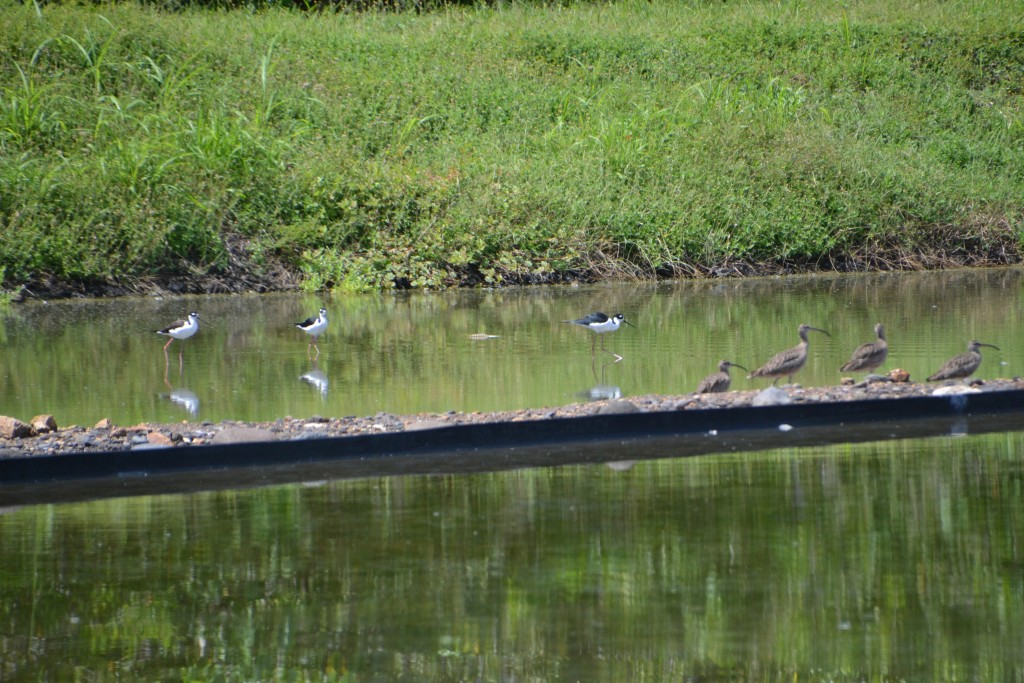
<point x="875" y="561"/>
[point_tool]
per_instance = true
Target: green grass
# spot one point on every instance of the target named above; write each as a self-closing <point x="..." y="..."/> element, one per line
<point x="510" y="144"/>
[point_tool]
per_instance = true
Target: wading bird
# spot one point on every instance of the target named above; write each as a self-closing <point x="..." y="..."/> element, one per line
<point x="179" y="329"/>
<point x="869" y="356"/>
<point x="314" y="327"/>
<point x="599" y="323"/>
<point x="787" y="362"/>
<point x="962" y="365"/>
<point x="720" y="381"/>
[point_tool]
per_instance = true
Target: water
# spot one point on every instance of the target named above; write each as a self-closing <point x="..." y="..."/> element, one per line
<point x="886" y="561"/>
<point x="85" y="360"/>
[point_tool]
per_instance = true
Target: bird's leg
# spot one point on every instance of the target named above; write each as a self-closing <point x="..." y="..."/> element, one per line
<point x="593" y="367"/>
<point x="169" y="342"/>
<point x="317" y="348"/>
<point x="181" y="358"/>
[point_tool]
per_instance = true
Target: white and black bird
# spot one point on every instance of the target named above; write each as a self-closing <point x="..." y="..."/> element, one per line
<point x="314" y="327"/>
<point x="599" y="323"/>
<point x="181" y="329"/>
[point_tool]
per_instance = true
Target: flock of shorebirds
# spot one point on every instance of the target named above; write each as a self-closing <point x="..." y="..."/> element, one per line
<point x="865" y="358"/>
<point x="183" y="329"/>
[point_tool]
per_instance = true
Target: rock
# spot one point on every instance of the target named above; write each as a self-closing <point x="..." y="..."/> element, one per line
<point x="105" y="423"/>
<point x="243" y="435"/>
<point x="44" y="424"/>
<point x="13" y="428"/>
<point x="418" y="425"/>
<point x="899" y="375"/>
<point x="772" y="396"/>
<point x="158" y="439"/>
<point x="618" y="406"/>
<point x="955" y="390"/>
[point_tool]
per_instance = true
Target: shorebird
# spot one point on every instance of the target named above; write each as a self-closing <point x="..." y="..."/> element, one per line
<point x="720" y="381"/>
<point x="962" y="365"/>
<point x="599" y="323"/>
<point x="314" y="327"/>
<point x="181" y="329"/>
<point x="869" y="356"/>
<point x="787" y="362"/>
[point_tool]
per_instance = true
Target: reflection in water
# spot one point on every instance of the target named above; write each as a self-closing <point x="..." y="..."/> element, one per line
<point x="883" y="561"/>
<point x="602" y="392"/>
<point x="186" y="399"/>
<point x="317" y="378"/>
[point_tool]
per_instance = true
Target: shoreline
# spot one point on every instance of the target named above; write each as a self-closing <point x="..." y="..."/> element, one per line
<point x="41" y="437"/>
<point x="242" y="279"/>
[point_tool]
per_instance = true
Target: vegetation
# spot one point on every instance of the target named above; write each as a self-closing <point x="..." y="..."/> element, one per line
<point x="507" y="144"/>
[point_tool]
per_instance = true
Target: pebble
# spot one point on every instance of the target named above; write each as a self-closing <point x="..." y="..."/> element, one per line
<point x="105" y="436"/>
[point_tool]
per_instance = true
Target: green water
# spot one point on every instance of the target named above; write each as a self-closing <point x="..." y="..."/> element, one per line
<point x="86" y="360"/>
<point x="886" y="561"/>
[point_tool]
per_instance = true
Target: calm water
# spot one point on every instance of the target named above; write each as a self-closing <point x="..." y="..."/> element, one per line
<point x="887" y="561"/>
<point x="86" y="360"/>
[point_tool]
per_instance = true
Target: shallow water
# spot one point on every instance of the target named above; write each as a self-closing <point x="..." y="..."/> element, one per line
<point x="406" y="353"/>
<point x="886" y="561"/>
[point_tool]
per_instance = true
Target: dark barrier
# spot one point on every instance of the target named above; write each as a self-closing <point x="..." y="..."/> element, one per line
<point x="503" y="445"/>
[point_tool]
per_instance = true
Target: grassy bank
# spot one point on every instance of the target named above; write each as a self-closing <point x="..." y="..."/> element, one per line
<point x="508" y="144"/>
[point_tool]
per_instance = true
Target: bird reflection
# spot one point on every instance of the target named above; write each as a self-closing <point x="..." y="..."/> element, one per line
<point x="317" y="378"/>
<point x="184" y="398"/>
<point x="602" y="391"/>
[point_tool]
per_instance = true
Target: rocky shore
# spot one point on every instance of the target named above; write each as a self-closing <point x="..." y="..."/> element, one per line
<point x="42" y="436"/>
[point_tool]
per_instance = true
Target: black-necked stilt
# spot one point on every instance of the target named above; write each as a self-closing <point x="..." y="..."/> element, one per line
<point x="314" y="327"/>
<point x="181" y="329"/>
<point x="600" y="323"/>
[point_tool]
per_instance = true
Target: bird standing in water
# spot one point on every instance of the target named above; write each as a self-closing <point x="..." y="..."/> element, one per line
<point x="314" y="327"/>
<point x="720" y="381"/>
<point x="962" y="365"/>
<point x="787" y="362"/>
<point x="599" y="323"/>
<point x="181" y="330"/>
<point x="869" y="356"/>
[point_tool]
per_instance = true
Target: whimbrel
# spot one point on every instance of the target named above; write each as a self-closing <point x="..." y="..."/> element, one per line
<point x="869" y="356"/>
<point x="787" y="362"/>
<point x="600" y="323"/>
<point x="314" y="327"/>
<point x="962" y="365"/>
<point x="720" y="381"/>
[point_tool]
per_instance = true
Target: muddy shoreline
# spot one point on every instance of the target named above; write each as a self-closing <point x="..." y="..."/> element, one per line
<point x="105" y="436"/>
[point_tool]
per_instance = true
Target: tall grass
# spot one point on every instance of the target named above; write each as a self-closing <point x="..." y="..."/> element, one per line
<point x="508" y="144"/>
